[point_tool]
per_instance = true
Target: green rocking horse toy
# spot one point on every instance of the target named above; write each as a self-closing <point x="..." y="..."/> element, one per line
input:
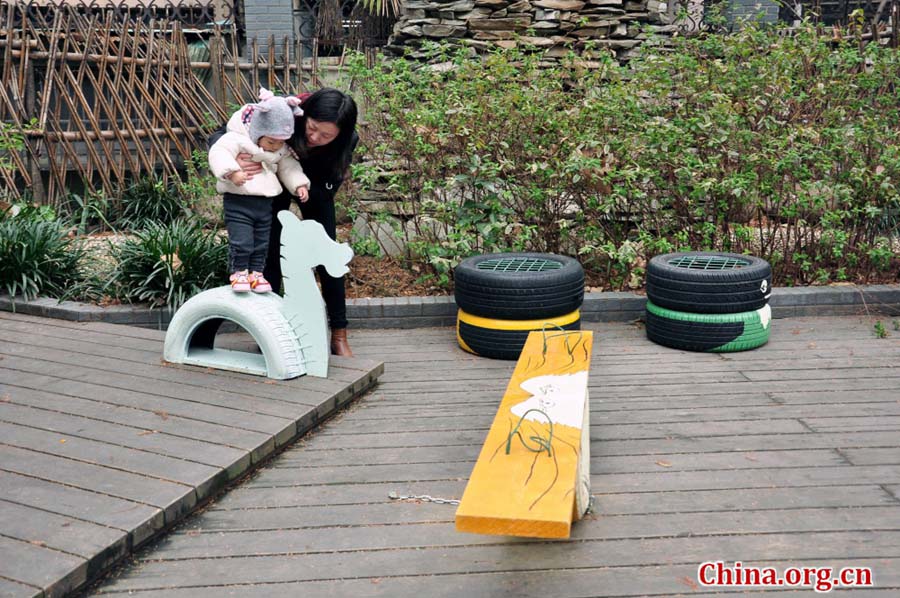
<point x="291" y="333"/>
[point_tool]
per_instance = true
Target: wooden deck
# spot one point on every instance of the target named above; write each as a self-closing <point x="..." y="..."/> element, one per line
<point x="782" y="456"/>
<point x="103" y="446"/>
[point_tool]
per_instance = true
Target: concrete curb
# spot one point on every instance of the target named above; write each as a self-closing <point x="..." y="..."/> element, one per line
<point x="420" y="312"/>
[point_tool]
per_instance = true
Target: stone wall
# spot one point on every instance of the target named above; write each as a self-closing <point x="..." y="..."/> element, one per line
<point x="558" y="26"/>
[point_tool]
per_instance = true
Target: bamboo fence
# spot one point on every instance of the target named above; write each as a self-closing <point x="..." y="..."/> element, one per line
<point x="95" y="101"/>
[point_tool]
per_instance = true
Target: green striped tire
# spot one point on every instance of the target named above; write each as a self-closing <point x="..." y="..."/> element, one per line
<point x="718" y="333"/>
<point x="504" y="339"/>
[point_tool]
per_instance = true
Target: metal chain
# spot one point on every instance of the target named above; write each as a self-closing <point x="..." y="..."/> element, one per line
<point x="424" y="498"/>
<point x="452" y="501"/>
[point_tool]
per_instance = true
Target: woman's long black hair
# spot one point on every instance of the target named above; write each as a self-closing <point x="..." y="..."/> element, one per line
<point x="333" y="106"/>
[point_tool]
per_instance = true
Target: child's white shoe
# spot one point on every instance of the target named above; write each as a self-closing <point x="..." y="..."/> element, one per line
<point x="259" y="284"/>
<point x="240" y="282"/>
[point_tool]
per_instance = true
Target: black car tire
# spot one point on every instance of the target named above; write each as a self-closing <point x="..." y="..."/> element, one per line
<point x="515" y="286"/>
<point x="709" y="282"/>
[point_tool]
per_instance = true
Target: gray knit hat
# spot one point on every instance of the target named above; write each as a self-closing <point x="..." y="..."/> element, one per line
<point x="273" y="116"/>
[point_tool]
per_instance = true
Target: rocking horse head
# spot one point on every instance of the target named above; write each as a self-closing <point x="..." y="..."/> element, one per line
<point x="305" y="244"/>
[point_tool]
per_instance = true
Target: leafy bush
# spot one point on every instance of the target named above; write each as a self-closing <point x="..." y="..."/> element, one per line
<point x="28" y="211"/>
<point x="781" y="144"/>
<point x="198" y="190"/>
<point x="150" y="200"/>
<point x="36" y="257"/>
<point x="786" y="146"/>
<point x="166" y="264"/>
<point x="478" y="147"/>
<point x="88" y="213"/>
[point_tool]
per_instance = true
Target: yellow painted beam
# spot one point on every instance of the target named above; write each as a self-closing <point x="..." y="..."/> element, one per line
<point x="543" y="419"/>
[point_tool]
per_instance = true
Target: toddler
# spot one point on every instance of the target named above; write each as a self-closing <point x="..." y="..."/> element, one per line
<point x="260" y="130"/>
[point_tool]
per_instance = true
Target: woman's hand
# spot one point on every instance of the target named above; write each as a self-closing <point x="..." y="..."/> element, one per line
<point x="248" y="166"/>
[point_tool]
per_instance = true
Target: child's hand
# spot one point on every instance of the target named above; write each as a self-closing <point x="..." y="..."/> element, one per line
<point x="302" y="194"/>
<point x="248" y="166"/>
<point x="238" y="177"/>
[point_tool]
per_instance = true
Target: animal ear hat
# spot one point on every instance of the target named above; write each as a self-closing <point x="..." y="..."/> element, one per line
<point x="273" y="116"/>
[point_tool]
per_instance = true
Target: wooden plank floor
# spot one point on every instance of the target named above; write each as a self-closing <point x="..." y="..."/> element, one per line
<point x="783" y="456"/>
<point x="102" y="445"/>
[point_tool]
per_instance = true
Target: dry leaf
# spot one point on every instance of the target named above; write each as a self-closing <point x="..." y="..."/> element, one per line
<point x="62" y="439"/>
<point x="750" y="458"/>
<point x="662" y="463"/>
<point x="687" y="581"/>
<point x="146" y="432"/>
<point x="37" y="542"/>
<point x="173" y="260"/>
<point x="162" y="414"/>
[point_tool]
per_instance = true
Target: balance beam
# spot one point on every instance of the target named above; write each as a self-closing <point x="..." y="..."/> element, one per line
<point x="532" y="477"/>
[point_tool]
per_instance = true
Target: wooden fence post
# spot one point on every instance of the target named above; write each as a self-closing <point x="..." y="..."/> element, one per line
<point x="38" y="192"/>
<point x="215" y="65"/>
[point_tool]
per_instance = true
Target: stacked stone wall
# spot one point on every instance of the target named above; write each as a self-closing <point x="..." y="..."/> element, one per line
<point x="556" y="26"/>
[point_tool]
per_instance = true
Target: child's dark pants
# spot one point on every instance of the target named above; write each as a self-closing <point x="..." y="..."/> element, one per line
<point x="248" y="219"/>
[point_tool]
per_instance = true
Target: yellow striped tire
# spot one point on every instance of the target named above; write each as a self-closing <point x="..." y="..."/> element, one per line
<point x="504" y="339"/>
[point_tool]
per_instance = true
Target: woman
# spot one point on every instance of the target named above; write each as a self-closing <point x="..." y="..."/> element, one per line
<point x="324" y="139"/>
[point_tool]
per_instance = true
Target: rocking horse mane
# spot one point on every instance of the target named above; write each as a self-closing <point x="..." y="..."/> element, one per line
<point x="305" y="245"/>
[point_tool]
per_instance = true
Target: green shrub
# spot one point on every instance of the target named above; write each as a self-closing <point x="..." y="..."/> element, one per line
<point x="198" y="190"/>
<point x="89" y="213"/>
<point x="36" y="257"/>
<point x="366" y="246"/>
<point x="166" y="264"/>
<point x="150" y="200"/>
<point x="29" y="211"/>
<point x="481" y="151"/>
<point x="790" y="135"/>
<point x="764" y="141"/>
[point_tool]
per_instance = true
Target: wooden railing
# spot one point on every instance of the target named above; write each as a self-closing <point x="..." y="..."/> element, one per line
<point x="91" y="101"/>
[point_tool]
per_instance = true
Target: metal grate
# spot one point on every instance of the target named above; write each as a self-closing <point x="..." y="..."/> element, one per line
<point x="519" y="264"/>
<point x="708" y="262"/>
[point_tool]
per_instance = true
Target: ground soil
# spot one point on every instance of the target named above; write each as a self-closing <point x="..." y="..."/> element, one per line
<point x="385" y="277"/>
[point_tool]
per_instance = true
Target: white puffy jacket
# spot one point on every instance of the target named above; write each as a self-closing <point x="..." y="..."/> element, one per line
<point x="279" y="168"/>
